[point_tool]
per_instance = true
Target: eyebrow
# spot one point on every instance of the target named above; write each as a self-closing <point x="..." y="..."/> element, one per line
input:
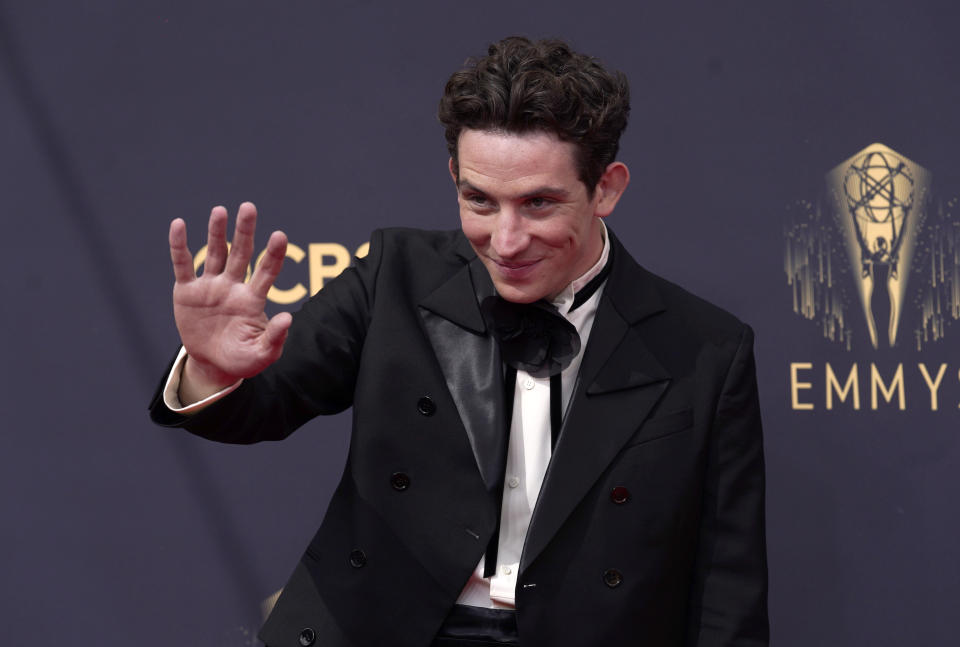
<point x="559" y="192"/>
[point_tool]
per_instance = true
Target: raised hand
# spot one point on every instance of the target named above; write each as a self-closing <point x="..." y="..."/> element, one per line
<point x="221" y="319"/>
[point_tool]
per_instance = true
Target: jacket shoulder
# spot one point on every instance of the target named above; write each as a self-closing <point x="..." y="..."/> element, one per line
<point x="414" y="243"/>
<point x="698" y="313"/>
<point x="643" y="296"/>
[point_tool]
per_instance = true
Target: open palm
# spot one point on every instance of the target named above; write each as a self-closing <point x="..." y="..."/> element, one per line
<point x="221" y="318"/>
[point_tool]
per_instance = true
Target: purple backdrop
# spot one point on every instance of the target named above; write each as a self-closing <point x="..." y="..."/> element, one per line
<point x="116" y="117"/>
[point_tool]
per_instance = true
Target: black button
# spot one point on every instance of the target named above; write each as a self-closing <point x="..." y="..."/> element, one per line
<point x="426" y="406"/>
<point x="619" y="494"/>
<point x="612" y="578"/>
<point x="400" y="481"/>
<point x="357" y="558"/>
<point x="307" y="637"/>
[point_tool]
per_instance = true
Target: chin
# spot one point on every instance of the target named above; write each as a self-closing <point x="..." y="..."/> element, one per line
<point x="517" y="295"/>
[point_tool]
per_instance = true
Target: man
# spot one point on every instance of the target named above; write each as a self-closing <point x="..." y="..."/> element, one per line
<point x="551" y="446"/>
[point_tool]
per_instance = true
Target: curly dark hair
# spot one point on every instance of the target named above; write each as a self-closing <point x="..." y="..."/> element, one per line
<point x="522" y="86"/>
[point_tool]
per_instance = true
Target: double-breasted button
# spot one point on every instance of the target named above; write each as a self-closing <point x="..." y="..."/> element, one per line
<point x="426" y="406"/>
<point x="619" y="495"/>
<point x="358" y="559"/>
<point x="612" y="578"/>
<point x="307" y="637"/>
<point x="399" y="481"/>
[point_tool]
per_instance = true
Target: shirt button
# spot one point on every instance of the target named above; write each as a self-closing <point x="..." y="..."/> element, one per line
<point x="505" y="570"/>
<point x="528" y="383"/>
<point x="513" y="482"/>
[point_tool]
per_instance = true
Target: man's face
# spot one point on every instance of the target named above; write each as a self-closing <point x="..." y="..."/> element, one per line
<point x="526" y="213"/>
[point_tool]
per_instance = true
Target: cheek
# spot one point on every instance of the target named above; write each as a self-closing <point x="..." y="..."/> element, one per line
<point x="558" y="238"/>
<point x="474" y="229"/>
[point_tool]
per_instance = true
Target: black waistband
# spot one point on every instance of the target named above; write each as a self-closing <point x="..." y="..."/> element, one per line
<point x="478" y="627"/>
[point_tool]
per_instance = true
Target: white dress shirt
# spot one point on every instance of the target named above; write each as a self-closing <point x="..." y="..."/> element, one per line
<point x="529" y="452"/>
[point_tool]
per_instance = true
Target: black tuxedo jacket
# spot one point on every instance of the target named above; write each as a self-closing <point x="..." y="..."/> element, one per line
<point x="649" y="529"/>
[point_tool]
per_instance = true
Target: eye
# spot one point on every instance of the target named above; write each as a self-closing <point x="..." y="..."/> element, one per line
<point x="478" y="201"/>
<point x="539" y="202"/>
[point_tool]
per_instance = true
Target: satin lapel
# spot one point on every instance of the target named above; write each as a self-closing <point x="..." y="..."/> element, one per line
<point x="620" y="382"/>
<point x="470" y="361"/>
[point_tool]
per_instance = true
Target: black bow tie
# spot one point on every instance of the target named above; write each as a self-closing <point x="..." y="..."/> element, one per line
<point x="533" y="337"/>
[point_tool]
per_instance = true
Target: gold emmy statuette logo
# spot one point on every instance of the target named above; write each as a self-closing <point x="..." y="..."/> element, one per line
<point x="879" y="198"/>
<point x="874" y="253"/>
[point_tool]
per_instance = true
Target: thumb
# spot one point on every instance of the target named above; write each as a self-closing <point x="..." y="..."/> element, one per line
<point x="276" y="333"/>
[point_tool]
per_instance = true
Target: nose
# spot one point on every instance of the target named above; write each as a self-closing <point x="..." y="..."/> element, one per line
<point x="510" y="237"/>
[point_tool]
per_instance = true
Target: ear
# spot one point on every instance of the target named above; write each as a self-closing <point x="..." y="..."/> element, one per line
<point x="611" y="186"/>
<point x="453" y="172"/>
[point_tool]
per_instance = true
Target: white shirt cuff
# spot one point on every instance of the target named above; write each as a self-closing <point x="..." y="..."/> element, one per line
<point x="171" y="389"/>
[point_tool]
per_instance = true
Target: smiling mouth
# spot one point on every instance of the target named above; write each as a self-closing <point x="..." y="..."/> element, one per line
<point x="515" y="266"/>
<point x="515" y="270"/>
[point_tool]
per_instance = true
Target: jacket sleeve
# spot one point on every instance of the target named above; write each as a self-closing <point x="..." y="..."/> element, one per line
<point x="728" y="604"/>
<point x="316" y="373"/>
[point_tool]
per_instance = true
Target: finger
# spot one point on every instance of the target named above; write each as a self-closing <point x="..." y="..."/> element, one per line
<point x="267" y="269"/>
<point x="276" y="333"/>
<point x="242" y="248"/>
<point x="179" y="253"/>
<point x="216" y="241"/>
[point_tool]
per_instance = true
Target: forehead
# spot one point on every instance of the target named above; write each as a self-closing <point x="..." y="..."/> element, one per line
<point x="515" y="160"/>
